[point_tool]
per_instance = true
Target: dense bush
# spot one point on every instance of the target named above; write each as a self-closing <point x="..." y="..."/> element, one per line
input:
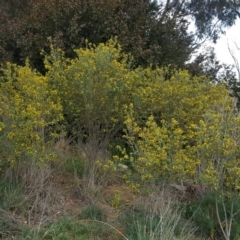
<point x="93" y="88"/>
<point x="191" y="133"/>
<point x="28" y="107"/>
<point x="184" y="128"/>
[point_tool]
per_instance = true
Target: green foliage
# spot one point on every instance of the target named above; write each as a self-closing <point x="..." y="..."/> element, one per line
<point x="204" y="213"/>
<point x="26" y="30"/>
<point x="143" y="225"/>
<point x="205" y="14"/>
<point x="93" y="212"/>
<point x="67" y="228"/>
<point x="63" y="229"/>
<point x="154" y="32"/>
<point x="75" y="165"/>
<point x="12" y="197"/>
<point x="12" y="201"/>
<point x="94" y="89"/>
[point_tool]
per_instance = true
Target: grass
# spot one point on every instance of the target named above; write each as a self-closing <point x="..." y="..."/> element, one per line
<point x="156" y="219"/>
<point x="11" y="196"/>
<point x="12" y="202"/>
<point x="151" y="219"/>
<point x="70" y="227"/>
<point x="214" y="214"/>
<point x="62" y="229"/>
<point x="93" y="212"/>
<point x="145" y="222"/>
<point x="42" y="206"/>
<point x="75" y="165"/>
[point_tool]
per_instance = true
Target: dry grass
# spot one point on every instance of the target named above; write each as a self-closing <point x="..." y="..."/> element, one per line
<point x="52" y="193"/>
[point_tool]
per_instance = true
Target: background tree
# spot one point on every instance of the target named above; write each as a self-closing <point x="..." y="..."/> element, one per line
<point x="206" y="63"/>
<point x="153" y="32"/>
<point x="234" y="83"/>
<point x="211" y="17"/>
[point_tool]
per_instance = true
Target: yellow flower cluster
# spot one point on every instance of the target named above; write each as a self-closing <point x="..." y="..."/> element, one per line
<point x="28" y="107"/>
<point x="191" y="132"/>
<point x="158" y="151"/>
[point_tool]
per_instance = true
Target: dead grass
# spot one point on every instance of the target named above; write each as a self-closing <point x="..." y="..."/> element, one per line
<point x="53" y="193"/>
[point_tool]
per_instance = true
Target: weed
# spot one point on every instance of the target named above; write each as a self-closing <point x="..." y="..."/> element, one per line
<point x="64" y="229"/>
<point x="93" y="212"/>
<point x="155" y="219"/>
<point x="9" y="226"/>
<point x="216" y="214"/>
<point x="75" y="165"/>
<point x="116" y="202"/>
<point x="11" y="196"/>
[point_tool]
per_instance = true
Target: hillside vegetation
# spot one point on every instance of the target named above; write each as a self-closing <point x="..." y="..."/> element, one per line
<point x="98" y="121"/>
<point x="113" y="125"/>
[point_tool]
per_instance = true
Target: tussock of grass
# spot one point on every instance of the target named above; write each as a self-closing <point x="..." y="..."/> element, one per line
<point x="156" y="217"/>
<point x="93" y="212"/>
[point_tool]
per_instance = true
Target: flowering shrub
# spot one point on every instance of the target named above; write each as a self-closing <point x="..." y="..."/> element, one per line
<point x="192" y="134"/>
<point x="93" y="87"/>
<point x="28" y="107"/>
<point x="217" y="148"/>
<point x="184" y="128"/>
<point x="158" y="152"/>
